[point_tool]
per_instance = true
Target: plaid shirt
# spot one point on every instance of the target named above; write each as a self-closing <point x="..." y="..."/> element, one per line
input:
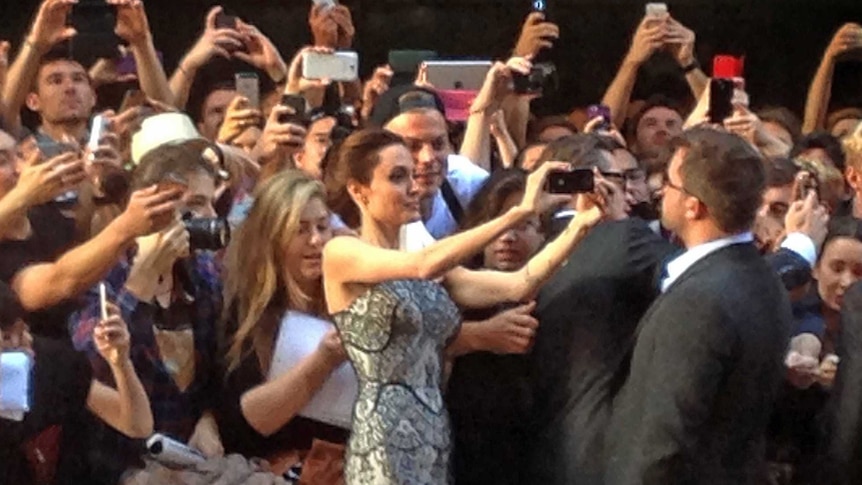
<point x="175" y="412"/>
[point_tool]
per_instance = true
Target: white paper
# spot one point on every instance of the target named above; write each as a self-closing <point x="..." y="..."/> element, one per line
<point x="299" y="336"/>
<point x="15" y="385"/>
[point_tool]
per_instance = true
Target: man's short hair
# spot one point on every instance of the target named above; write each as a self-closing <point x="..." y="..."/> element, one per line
<point x="59" y="53"/>
<point x="581" y="151"/>
<point x="537" y="126"/>
<point x="784" y="118"/>
<point x="825" y="142"/>
<point x="654" y="101"/>
<point x="780" y="172"/>
<point x="403" y="99"/>
<point x="725" y="173"/>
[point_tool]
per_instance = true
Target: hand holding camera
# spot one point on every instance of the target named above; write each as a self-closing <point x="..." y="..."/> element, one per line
<point x="215" y="41"/>
<point x="537" y="33"/>
<point x="284" y="132"/>
<point x="847" y="39"/>
<point x="132" y="24"/>
<point x="539" y="198"/>
<point x="239" y="116"/>
<point x="40" y="182"/>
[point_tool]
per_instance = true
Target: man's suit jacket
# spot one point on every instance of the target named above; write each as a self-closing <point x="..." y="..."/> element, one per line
<point x="844" y="419"/>
<point x="587" y="317"/>
<point x="703" y="377"/>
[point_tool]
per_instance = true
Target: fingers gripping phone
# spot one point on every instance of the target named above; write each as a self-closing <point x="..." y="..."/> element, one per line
<point x="578" y="181"/>
<point x="297" y="103"/>
<point x="324" y="4"/>
<point x="600" y="110"/>
<point x="248" y="86"/>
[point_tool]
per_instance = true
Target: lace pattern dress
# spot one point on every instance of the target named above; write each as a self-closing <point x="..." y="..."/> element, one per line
<point x="395" y="335"/>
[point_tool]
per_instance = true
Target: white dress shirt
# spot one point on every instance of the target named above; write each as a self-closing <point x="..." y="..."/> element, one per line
<point x="679" y="265"/>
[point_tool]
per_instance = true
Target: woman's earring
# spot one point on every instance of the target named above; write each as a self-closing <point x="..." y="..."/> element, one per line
<point x="364" y="200"/>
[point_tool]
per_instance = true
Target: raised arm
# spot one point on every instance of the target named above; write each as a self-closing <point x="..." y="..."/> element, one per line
<point x="681" y="40"/>
<point x="126" y="408"/>
<point x="46" y="284"/>
<point x="211" y="43"/>
<point x="848" y="37"/>
<point x="342" y="266"/>
<point x="271" y="405"/>
<point x="48" y="29"/>
<point x="134" y="28"/>
<point x="477" y="137"/>
<point x="648" y="38"/>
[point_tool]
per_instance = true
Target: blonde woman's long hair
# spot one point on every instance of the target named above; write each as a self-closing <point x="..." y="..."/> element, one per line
<point x="255" y="279"/>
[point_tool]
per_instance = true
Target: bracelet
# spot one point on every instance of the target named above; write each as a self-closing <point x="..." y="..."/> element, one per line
<point x="691" y="67"/>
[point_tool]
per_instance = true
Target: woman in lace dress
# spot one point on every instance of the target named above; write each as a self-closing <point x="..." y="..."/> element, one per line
<point x="396" y="312"/>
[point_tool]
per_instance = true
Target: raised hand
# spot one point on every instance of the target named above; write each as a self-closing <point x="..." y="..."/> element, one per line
<point x="649" y="37"/>
<point x="324" y="28"/>
<point x="498" y="84"/>
<point x="312" y="89"/>
<point x="50" y="27"/>
<point x="111" y="338"/>
<point x="847" y="38"/>
<point x="239" y="116"/>
<point x="261" y="52"/>
<point x="39" y="183"/>
<point x="536" y="34"/>
<point x="536" y="200"/>
<point x="213" y="42"/>
<point x="375" y="87"/>
<point x="279" y="139"/>
<point x="132" y="24"/>
<point x="680" y="41"/>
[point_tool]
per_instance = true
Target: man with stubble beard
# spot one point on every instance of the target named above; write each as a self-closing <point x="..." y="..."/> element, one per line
<point x="446" y="182"/>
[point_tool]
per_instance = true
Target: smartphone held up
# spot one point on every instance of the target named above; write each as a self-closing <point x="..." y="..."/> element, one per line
<point x="578" y="181"/>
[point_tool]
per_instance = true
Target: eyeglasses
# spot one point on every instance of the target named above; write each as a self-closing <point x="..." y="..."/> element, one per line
<point x="632" y="175"/>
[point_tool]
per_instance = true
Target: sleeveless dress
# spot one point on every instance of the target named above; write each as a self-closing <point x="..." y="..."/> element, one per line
<point x="395" y="335"/>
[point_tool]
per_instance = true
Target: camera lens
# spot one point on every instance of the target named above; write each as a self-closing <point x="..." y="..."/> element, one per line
<point x="207" y="233"/>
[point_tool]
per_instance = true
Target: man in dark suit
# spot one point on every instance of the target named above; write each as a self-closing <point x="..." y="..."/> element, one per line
<point x="708" y="356"/>
<point x="588" y="314"/>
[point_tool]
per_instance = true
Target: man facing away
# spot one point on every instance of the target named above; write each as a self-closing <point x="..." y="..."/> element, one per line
<point x="708" y="356"/>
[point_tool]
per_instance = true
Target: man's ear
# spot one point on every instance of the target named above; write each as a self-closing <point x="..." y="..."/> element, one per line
<point x="33" y="102"/>
<point x="694" y="209"/>
<point x="854" y="178"/>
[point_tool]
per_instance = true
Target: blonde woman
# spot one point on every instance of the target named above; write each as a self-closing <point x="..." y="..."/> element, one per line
<point x="282" y="353"/>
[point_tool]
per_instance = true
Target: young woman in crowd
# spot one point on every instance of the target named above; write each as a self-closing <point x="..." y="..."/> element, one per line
<point x="169" y="290"/>
<point x="490" y="415"/>
<point x="795" y="427"/>
<point x="273" y="285"/>
<point x="394" y="315"/>
<point x="43" y="444"/>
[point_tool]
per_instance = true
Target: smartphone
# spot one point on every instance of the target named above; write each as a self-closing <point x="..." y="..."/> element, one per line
<point x="97" y="129"/>
<point x="94" y="21"/>
<point x="460" y="75"/>
<point x="225" y="21"/>
<point x="656" y="10"/>
<point x="542" y="77"/>
<point x="406" y="61"/>
<point x="806" y="182"/>
<point x="326" y="4"/>
<point x="248" y="86"/>
<point x="103" y="301"/>
<point x="297" y="103"/>
<point x="578" y="181"/>
<point x="600" y="110"/>
<point x="720" y="99"/>
<point x="339" y="66"/>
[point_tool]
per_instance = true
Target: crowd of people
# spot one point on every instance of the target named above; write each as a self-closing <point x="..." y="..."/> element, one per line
<point x="326" y="281"/>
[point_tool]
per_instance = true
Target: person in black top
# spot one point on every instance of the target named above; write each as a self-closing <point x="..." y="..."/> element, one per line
<point x="44" y="446"/>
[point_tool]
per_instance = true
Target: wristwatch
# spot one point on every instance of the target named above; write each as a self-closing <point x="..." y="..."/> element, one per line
<point x="691" y="67"/>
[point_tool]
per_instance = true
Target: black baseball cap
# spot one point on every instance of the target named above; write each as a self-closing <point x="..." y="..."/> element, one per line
<point x="401" y="99"/>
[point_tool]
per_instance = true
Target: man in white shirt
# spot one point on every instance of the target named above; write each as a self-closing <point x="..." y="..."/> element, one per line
<point x="708" y="357"/>
<point x="446" y="182"/>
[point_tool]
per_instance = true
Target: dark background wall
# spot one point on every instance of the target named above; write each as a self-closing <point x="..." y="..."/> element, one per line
<point x="783" y="40"/>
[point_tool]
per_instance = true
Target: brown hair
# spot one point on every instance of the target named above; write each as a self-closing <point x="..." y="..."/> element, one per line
<point x="726" y="173"/>
<point x="172" y="159"/>
<point x="356" y="159"/>
<point x="581" y="151"/>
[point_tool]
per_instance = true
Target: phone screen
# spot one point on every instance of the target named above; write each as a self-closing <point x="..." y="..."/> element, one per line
<point x="247" y="85"/>
<point x="577" y="181"/>
<point x="720" y="99"/>
<point x="297" y="103"/>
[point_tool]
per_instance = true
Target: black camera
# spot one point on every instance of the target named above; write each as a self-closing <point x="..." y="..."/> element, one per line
<point x="542" y="78"/>
<point x="207" y="233"/>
